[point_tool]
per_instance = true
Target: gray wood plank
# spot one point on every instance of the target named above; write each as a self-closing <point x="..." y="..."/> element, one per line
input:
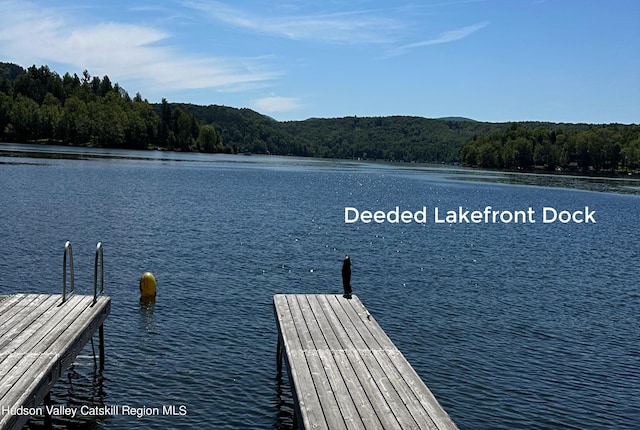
<point x="352" y="366"/>
<point x="39" y="346"/>
<point x="23" y="306"/>
<point x="29" y="318"/>
<point x="307" y="401"/>
<point x="8" y="421"/>
<point x="321" y="382"/>
<point x="38" y="342"/>
<point x="8" y="302"/>
<point x="439" y="416"/>
<point x="424" y="396"/>
<point x="383" y="349"/>
<point x="354" y="393"/>
<point x="355" y="327"/>
<point x="359" y="364"/>
<point x="342" y="398"/>
<point x="70" y="342"/>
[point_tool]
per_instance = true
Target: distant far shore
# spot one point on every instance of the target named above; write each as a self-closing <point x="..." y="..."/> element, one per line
<point x="536" y="170"/>
<point x="39" y="106"/>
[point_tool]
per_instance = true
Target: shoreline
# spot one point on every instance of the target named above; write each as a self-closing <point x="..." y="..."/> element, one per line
<point x="540" y="172"/>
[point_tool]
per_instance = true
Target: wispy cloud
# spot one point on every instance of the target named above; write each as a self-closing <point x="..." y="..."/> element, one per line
<point x="349" y="27"/>
<point x="446" y="37"/>
<point x="30" y="33"/>
<point x="275" y="104"/>
<point x="386" y="27"/>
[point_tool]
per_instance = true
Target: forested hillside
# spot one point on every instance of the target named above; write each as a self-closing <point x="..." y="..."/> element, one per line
<point x="398" y="138"/>
<point x="523" y="145"/>
<point x="38" y="105"/>
<point x="595" y="148"/>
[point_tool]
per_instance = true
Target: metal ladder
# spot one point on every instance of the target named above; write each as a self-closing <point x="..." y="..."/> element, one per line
<point x="68" y="250"/>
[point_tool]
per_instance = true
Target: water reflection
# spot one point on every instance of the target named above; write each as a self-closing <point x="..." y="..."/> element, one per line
<point x="285" y="415"/>
<point x="147" y="307"/>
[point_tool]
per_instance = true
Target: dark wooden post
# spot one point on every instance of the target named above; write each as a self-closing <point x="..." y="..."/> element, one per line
<point x="279" y="357"/>
<point x="346" y="276"/>
<point x="101" y="347"/>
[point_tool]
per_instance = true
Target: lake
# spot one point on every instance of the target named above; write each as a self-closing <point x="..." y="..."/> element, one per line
<point x="511" y="325"/>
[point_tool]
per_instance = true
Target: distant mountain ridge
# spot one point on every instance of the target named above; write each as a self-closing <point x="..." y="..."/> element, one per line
<point x="399" y="138"/>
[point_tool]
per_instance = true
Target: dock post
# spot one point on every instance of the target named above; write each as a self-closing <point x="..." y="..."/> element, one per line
<point x="101" y="346"/>
<point x="279" y="357"/>
<point x="346" y="277"/>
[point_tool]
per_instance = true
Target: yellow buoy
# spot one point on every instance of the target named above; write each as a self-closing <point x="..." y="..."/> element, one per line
<point x="147" y="285"/>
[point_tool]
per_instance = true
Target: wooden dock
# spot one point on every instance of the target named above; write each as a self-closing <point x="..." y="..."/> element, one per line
<point x="40" y="336"/>
<point x="345" y="372"/>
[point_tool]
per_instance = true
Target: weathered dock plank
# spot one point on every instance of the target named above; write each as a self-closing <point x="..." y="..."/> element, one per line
<point x="39" y="338"/>
<point x="345" y="371"/>
<point x="365" y="380"/>
<point x="306" y="401"/>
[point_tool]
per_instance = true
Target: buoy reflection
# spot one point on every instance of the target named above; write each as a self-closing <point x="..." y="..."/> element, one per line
<point x="147" y="307"/>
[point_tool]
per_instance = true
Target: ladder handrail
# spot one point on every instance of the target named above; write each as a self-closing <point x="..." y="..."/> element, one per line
<point x="95" y="272"/>
<point x="67" y="250"/>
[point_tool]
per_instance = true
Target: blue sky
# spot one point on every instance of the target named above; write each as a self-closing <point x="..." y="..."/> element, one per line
<point x="490" y="60"/>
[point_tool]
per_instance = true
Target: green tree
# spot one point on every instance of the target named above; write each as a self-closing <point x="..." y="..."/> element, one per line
<point x="208" y="139"/>
<point x="70" y="84"/>
<point x="51" y="116"/>
<point x="6" y="102"/>
<point x="37" y="82"/>
<point x="23" y="119"/>
<point x="546" y="155"/>
<point x="105" y="86"/>
<point x="75" y="124"/>
<point x="184" y="130"/>
<point x="142" y="124"/>
<point x="165" y="126"/>
<point x="630" y="155"/>
<point x="109" y="119"/>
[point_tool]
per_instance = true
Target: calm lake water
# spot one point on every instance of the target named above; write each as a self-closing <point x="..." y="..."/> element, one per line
<point x="512" y="326"/>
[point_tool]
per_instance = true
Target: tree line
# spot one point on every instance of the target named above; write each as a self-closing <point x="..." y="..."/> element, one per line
<point x="38" y="105"/>
<point x="611" y="148"/>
